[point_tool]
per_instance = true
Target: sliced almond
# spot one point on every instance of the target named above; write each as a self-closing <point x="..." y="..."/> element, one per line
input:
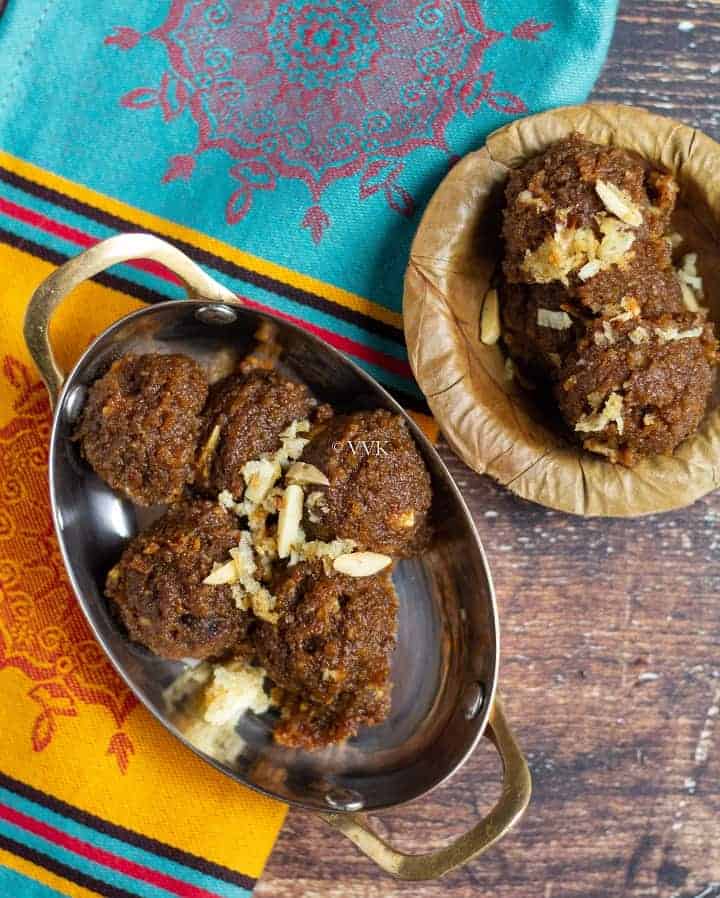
<point x="301" y="472"/>
<point x="225" y="573"/>
<point x="490" y="323"/>
<point x="361" y="564"/>
<point x="618" y="203"/>
<point x="289" y="519"/>
<point x="208" y="450"/>
<point x="260" y="477"/>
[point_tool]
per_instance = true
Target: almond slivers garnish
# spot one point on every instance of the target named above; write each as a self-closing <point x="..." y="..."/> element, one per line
<point x="289" y="519"/>
<point x="361" y="564"/>
<point x="301" y="472"/>
<point x="490" y="322"/>
<point x="618" y="203"/>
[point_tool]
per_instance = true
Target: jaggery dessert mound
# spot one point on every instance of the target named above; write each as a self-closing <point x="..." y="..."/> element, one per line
<point x="648" y="277"/>
<point x="329" y="651"/>
<point x="309" y="725"/>
<point x="243" y="419"/>
<point x="283" y="578"/>
<point x="638" y="387"/>
<point x="157" y="586"/>
<point x="333" y="633"/>
<point x="581" y="204"/>
<point x="379" y="488"/>
<point x="140" y="425"/>
<point x="591" y="307"/>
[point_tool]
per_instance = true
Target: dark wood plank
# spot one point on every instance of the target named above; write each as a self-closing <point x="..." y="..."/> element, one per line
<point x="611" y="636"/>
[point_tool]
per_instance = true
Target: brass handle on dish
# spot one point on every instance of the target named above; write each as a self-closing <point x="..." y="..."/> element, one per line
<point x="121" y="248"/>
<point x="504" y="815"/>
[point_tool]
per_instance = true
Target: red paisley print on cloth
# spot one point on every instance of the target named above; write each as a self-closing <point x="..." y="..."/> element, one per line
<point x="42" y="630"/>
<point x="319" y="90"/>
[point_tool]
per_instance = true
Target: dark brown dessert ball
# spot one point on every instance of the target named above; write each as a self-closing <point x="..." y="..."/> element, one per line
<point x="140" y="425"/>
<point x="310" y="725"/>
<point x="559" y="187"/>
<point x="244" y="417"/>
<point x="330" y="646"/>
<point x="157" y="586"/>
<point x="647" y="382"/>
<point x="379" y="493"/>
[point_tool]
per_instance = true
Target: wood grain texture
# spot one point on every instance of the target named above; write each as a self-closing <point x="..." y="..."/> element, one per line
<point x="611" y="646"/>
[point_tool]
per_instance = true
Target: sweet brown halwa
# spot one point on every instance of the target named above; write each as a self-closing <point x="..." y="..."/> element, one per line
<point x="287" y="575"/>
<point x="140" y="425"/>
<point x="157" y="586"/>
<point x="591" y="305"/>
<point x="333" y="640"/>
<point x="379" y="489"/>
<point x="244" y="418"/>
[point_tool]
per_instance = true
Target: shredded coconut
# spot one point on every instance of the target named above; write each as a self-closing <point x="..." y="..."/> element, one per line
<point x="569" y="249"/>
<point x="670" y="334"/>
<point x="691" y="284"/>
<point x="235" y="688"/>
<point x="610" y="413"/>
<point x="559" y="321"/>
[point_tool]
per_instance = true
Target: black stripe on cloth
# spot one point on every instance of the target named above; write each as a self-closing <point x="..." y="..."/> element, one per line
<point x="407" y="400"/>
<point x="123" y="285"/>
<point x="218" y="871"/>
<point x="204" y="257"/>
<point x="70" y="873"/>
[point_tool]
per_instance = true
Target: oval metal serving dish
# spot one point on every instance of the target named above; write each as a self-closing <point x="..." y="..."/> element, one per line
<point x="445" y="666"/>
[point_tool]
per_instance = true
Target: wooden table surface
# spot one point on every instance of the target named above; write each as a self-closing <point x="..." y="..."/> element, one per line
<point x="611" y="645"/>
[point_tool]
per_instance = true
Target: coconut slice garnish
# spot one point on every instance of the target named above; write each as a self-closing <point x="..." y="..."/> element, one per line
<point x="260" y="477"/>
<point x="611" y="412"/>
<point x="559" y="321"/>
